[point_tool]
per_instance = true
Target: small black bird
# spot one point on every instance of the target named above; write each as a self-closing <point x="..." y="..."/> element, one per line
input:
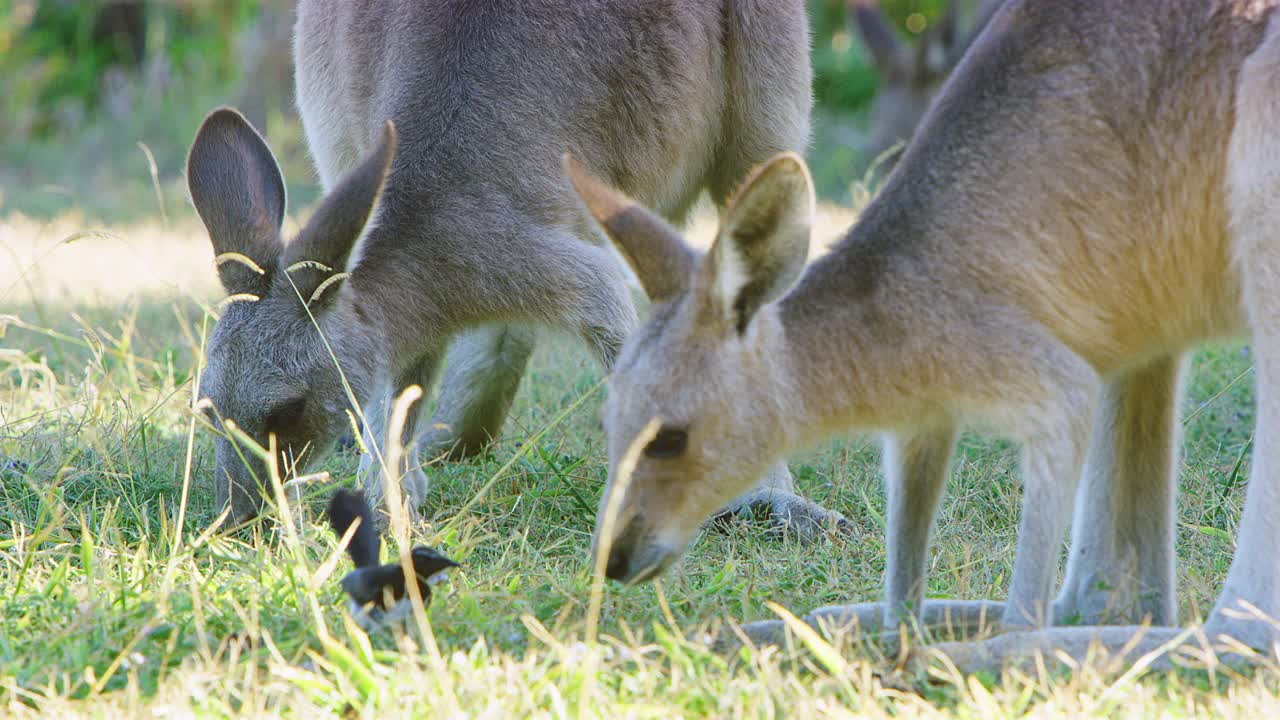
<point x="375" y="591"/>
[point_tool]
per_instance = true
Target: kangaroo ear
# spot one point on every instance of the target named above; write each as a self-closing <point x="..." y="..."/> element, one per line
<point x="655" y="251"/>
<point x="763" y="240"/>
<point x="935" y="51"/>
<point x="236" y="187"/>
<point x="877" y="35"/>
<point x="317" y="258"/>
<point x="948" y="26"/>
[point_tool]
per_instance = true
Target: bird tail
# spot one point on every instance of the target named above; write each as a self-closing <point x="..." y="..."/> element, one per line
<point x="346" y="507"/>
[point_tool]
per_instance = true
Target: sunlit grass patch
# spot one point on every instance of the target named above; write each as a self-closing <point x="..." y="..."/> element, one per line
<point x="117" y="602"/>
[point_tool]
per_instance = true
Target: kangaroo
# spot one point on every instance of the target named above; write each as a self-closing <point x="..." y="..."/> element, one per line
<point x="910" y="76"/>
<point x="1093" y="193"/>
<point x="437" y="129"/>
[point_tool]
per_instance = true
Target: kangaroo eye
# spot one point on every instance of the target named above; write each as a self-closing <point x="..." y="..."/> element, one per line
<point x="286" y="418"/>
<point x="668" y="443"/>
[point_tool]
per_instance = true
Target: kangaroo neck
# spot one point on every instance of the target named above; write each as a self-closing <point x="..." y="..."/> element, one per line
<point x="850" y="334"/>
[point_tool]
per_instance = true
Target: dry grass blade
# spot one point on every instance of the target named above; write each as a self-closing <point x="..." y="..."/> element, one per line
<point x="608" y="520"/>
<point x="155" y="182"/>
<point x="400" y="521"/>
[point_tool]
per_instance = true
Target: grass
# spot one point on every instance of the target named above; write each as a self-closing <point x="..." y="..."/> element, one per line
<point x="118" y="603"/>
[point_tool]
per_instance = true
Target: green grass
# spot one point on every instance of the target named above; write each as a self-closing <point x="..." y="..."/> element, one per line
<point x="82" y="135"/>
<point x="117" y="603"/>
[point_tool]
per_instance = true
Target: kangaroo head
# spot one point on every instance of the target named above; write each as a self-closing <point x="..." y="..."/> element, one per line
<point x="704" y="366"/>
<point x="909" y="76"/>
<point x="269" y="372"/>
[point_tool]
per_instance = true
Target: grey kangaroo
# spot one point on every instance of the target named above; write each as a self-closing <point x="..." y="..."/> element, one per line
<point x="910" y="76"/>
<point x="437" y="129"/>
<point x="1095" y="191"/>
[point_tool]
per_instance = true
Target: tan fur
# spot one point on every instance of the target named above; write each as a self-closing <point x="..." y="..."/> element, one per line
<point x="1095" y="191"/>
<point x="474" y="233"/>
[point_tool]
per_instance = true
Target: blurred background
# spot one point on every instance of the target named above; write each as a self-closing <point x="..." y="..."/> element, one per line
<point x="101" y="97"/>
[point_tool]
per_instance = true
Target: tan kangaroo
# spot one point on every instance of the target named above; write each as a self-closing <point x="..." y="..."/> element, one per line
<point x="1095" y="191"/>
<point x="458" y="223"/>
<point x="910" y="76"/>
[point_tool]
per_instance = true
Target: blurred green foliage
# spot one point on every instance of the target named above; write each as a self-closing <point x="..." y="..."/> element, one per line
<point x="843" y="79"/>
<point x="56" y="54"/>
<point x="84" y="82"/>
<point x="92" y="96"/>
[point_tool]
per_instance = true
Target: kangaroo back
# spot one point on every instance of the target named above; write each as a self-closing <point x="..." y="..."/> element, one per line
<point x="652" y="95"/>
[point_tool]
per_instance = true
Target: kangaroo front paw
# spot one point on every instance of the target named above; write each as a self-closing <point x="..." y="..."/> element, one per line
<point x="786" y="514"/>
<point x="413" y="484"/>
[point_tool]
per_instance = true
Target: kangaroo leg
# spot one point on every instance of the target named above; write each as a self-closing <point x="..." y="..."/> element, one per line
<point x="484" y="365"/>
<point x="1244" y="616"/>
<point x="1056" y="390"/>
<point x="1107" y="537"/>
<point x="1053" y="393"/>
<point x="1121" y="566"/>
<point x="1060" y="389"/>
<point x="916" y="466"/>
<point x="597" y="305"/>
<point x="769" y="92"/>
<point x="481" y="375"/>
<point x="1046" y="399"/>
<point x="377" y="436"/>
<point x="1052" y="459"/>
<point x="1248" y="609"/>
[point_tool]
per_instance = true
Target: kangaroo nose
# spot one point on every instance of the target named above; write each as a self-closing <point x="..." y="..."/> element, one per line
<point x="619" y="561"/>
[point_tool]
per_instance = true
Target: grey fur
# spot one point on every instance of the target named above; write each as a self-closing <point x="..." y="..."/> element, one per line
<point x="1093" y="194"/>
<point x="477" y="233"/>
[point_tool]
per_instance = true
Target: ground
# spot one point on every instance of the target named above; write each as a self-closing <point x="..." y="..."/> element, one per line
<point x="117" y="602"/>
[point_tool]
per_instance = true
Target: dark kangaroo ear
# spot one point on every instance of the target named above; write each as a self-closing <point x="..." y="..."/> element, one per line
<point x="317" y="259"/>
<point x="236" y="187"/>
<point x="878" y="36"/>
<point x="653" y="249"/>
<point x="934" y="51"/>
<point x="763" y="240"/>
<point x="948" y="26"/>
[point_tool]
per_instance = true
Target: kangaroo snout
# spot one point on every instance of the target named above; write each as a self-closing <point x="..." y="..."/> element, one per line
<point x="636" y="554"/>
<point x="619" y="562"/>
